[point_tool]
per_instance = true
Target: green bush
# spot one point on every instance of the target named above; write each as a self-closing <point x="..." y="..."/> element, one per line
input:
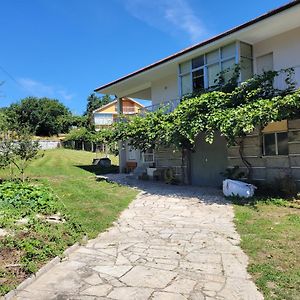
<point x="28" y="197"/>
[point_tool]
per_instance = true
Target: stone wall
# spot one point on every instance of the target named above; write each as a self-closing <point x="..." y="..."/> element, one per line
<point x="45" y="145"/>
<point x="266" y="169"/>
<point x="170" y="158"/>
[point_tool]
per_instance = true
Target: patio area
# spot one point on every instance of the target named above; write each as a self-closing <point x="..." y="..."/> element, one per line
<point x="173" y="242"/>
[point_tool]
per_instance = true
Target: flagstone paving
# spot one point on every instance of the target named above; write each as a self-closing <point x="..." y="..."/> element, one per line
<point x="171" y="243"/>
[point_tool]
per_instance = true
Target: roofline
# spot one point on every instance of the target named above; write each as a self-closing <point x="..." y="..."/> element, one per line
<point x="203" y="43"/>
<point x="140" y="104"/>
<point x="106" y="105"/>
<point x="115" y="101"/>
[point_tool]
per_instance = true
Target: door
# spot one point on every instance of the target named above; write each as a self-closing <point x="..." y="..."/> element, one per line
<point x="208" y="161"/>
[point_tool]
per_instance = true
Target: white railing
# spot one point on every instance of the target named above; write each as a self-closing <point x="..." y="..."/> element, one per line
<point x="128" y="110"/>
<point x="167" y="106"/>
<point x="103" y="121"/>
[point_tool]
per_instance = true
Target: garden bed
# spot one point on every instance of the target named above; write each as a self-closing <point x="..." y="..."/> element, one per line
<point x="62" y="202"/>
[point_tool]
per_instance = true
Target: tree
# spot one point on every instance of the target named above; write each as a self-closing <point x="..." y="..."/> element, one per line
<point x="67" y="122"/>
<point x="18" y="149"/>
<point x="39" y="115"/>
<point x="94" y="102"/>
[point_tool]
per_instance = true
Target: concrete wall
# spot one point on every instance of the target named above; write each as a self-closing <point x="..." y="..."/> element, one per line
<point x="165" y="89"/>
<point x="285" y="48"/>
<point x="45" y="145"/>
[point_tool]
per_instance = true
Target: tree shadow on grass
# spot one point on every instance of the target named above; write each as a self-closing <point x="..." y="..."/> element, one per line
<point x="99" y="170"/>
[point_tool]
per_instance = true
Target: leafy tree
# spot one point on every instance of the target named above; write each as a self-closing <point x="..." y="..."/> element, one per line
<point x="18" y="149"/>
<point x="80" y="134"/>
<point x="94" y="102"/>
<point x="39" y="115"/>
<point x="67" y="122"/>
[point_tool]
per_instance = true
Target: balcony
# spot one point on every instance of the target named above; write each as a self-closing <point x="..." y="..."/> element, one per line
<point x="128" y="110"/>
<point x="167" y="106"/>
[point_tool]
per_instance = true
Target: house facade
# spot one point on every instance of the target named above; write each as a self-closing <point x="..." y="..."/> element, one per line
<point x="269" y="42"/>
<point x="107" y="114"/>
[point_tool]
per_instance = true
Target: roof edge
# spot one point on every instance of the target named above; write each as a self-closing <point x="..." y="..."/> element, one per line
<point x="115" y="101"/>
<point x="203" y="43"/>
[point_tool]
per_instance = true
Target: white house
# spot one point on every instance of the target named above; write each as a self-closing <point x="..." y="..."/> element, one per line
<point x="269" y="42"/>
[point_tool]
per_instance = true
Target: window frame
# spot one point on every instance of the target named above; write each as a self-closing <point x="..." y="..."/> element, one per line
<point x="237" y="57"/>
<point x="146" y="153"/>
<point x="276" y="144"/>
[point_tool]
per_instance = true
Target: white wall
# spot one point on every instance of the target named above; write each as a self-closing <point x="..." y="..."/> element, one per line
<point x="165" y="89"/>
<point x="286" y="51"/>
<point x="45" y="145"/>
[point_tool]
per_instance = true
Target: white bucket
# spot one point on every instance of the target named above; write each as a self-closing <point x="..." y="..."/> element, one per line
<point x="238" y="188"/>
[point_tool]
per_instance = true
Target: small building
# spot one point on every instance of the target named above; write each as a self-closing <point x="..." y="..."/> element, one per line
<point x="107" y="114"/>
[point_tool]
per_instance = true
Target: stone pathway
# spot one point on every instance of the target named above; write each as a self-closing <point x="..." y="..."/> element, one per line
<point x="172" y="243"/>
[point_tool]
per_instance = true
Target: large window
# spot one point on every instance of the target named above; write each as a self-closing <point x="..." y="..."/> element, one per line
<point x="148" y="156"/>
<point x="103" y="119"/>
<point x="275" y="143"/>
<point x="202" y="72"/>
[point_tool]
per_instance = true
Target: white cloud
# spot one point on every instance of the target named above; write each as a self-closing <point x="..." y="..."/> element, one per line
<point x="39" y="89"/>
<point x="172" y="16"/>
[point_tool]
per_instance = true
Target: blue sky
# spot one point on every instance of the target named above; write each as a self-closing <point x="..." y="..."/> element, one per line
<point x="64" y="49"/>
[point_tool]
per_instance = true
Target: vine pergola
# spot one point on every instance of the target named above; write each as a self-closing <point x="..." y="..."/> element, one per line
<point x="233" y="111"/>
<point x="229" y="109"/>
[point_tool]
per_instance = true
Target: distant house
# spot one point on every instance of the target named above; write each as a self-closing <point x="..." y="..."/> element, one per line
<point x="269" y="42"/>
<point x="107" y="114"/>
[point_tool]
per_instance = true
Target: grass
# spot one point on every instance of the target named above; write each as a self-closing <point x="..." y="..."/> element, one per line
<point x="95" y="205"/>
<point x="92" y="206"/>
<point x="270" y="233"/>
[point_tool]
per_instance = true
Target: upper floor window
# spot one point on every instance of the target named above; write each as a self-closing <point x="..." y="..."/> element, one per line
<point x="103" y="118"/>
<point x="202" y="72"/>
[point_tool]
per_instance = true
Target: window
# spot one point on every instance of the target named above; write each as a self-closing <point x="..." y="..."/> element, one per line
<point x="148" y="156"/>
<point x="275" y="143"/>
<point x="103" y="119"/>
<point x="201" y="72"/>
<point x="186" y="84"/>
<point x="198" y="80"/>
<point x="246" y="61"/>
<point x="131" y="153"/>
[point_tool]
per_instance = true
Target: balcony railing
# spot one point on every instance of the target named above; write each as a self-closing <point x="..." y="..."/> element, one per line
<point x="128" y="110"/>
<point x="103" y="121"/>
<point x="280" y="83"/>
<point x="167" y="106"/>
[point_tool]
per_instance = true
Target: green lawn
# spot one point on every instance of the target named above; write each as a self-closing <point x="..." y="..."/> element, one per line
<point x="271" y="238"/>
<point x="95" y="205"/>
<point x="90" y="204"/>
